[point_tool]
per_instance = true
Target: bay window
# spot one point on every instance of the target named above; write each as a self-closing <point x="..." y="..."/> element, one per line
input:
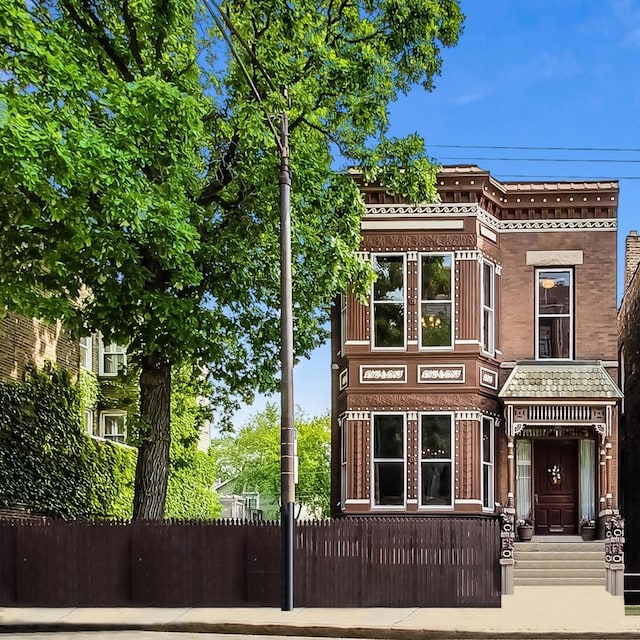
<point x="487" y="463"/>
<point x="389" y="459"/>
<point x="389" y="302"/>
<point x="436" y="300"/>
<point x="436" y="460"/>
<point x="488" y="307"/>
<point x="554" y="314"/>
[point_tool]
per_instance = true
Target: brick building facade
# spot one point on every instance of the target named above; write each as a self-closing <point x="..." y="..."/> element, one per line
<point x="629" y="350"/>
<point x="479" y="375"/>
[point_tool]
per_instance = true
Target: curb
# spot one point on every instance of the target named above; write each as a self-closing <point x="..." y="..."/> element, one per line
<point x="369" y="633"/>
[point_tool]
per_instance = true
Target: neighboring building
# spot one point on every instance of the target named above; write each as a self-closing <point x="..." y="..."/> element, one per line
<point x="28" y="340"/>
<point x="239" y="504"/>
<point x="479" y="375"/>
<point x="629" y="354"/>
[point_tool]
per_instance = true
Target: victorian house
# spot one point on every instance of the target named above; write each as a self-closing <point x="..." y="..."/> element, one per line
<point x="479" y="376"/>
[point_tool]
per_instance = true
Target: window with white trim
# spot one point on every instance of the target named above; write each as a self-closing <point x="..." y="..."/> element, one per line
<point x="436" y="460"/>
<point x="554" y="314"/>
<point x="343" y="463"/>
<point x="389" y="451"/>
<point x="436" y="300"/>
<point x="113" y="357"/>
<point x="86" y="352"/>
<point x="89" y="423"/>
<point x="488" y="307"/>
<point x="343" y="322"/>
<point x="487" y="462"/>
<point x="389" y="302"/>
<point x="113" y="426"/>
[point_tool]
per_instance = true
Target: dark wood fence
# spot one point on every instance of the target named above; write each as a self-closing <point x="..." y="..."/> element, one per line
<point x="351" y="562"/>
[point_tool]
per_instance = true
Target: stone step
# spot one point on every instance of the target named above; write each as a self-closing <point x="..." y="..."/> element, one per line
<point x="559" y="556"/>
<point x="598" y="572"/>
<point x="553" y="582"/>
<point x="569" y="547"/>
<point x="564" y="563"/>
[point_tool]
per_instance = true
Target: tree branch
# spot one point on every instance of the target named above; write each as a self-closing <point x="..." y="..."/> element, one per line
<point x="134" y="45"/>
<point x="97" y="33"/>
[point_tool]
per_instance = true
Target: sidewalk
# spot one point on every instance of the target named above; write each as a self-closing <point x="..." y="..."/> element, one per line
<point x="533" y="612"/>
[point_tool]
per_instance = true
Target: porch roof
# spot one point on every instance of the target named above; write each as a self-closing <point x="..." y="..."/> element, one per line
<point x="575" y="379"/>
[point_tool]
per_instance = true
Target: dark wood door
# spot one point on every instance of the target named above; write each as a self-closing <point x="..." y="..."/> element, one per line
<point x="555" y="486"/>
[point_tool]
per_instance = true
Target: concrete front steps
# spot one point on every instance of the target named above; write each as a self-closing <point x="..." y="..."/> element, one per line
<point x="559" y="560"/>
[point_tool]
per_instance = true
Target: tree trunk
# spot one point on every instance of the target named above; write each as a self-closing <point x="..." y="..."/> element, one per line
<point x="152" y="468"/>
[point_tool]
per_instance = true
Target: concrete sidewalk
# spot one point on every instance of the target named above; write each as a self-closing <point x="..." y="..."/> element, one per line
<point x="533" y="612"/>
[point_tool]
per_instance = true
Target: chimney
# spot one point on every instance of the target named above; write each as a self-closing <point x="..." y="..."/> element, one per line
<point x="631" y="256"/>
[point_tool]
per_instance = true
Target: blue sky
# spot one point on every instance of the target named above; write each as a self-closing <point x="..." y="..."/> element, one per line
<point x="535" y="73"/>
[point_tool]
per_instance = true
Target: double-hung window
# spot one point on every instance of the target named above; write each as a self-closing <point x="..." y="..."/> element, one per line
<point x="85" y="352"/>
<point x="487" y="463"/>
<point x="113" y="357"/>
<point x="389" y="459"/>
<point x="436" y="460"/>
<point x="343" y="463"/>
<point x="343" y="322"/>
<point x="389" y="302"/>
<point x="554" y="314"/>
<point x="488" y="307"/>
<point x="436" y="300"/>
<point x="113" y="426"/>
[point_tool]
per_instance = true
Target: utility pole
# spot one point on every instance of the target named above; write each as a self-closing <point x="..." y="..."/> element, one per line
<point x="287" y="428"/>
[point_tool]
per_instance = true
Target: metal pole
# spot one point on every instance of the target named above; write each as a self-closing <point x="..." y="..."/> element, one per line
<point x="287" y="486"/>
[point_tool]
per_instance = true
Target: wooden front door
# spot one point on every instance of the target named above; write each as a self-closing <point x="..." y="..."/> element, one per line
<point x="555" y="486"/>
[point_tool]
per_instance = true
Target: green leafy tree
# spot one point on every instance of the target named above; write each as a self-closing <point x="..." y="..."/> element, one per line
<point x="139" y="175"/>
<point x="251" y="458"/>
<point x="190" y="491"/>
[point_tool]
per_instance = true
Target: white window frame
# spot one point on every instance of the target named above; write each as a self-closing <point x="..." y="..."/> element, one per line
<point x="103" y="350"/>
<point x="373" y="303"/>
<point x="374" y="460"/>
<point x="343" y="322"/>
<point x="89" y="419"/>
<point x="451" y="301"/>
<point x="489" y="310"/>
<point x="570" y="315"/>
<point x="488" y="463"/>
<point x="113" y="413"/>
<point x="452" y="460"/>
<point x="86" y="352"/>
<point x="343" y="462"/>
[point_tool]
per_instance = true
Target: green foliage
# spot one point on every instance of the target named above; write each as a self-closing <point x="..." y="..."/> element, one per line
<point x="48" y="462"/>
<point x="191" y="471"/>
<point x="251" y="458"/>
<point x="136" y="168"/>
<point x="88" y="389"/>
<point x="139" y="172"/>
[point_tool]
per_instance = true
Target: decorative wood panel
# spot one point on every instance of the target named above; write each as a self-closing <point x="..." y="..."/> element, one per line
<point x="468" y="300"/>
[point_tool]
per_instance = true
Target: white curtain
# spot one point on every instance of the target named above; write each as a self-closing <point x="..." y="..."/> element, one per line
<point x="587" y="478"/>
<point x="523" y="478"/>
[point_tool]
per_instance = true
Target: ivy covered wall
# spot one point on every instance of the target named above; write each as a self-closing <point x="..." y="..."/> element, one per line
<point x="48" y="462"/>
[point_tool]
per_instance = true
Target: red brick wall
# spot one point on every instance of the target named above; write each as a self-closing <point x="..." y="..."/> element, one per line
<point x="595" y="292"/>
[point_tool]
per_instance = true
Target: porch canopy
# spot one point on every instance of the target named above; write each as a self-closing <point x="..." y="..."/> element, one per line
<point x="546" y="400"/>
<point x="559" y="394"/>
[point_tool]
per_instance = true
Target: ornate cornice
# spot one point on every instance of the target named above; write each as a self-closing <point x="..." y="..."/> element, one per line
<point x="604" y="224"/>
<point x="438" y="209"/>
<point x="468" y="209"/>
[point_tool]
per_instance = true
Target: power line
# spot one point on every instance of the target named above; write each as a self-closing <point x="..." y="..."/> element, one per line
<point x="576" y="160"/>
<point x="522" y="148"/>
